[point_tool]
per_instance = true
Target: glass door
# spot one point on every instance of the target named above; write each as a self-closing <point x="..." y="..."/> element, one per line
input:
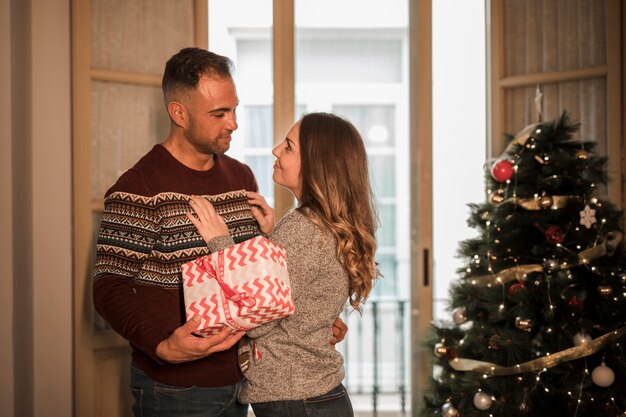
<point x="353" y="62"/>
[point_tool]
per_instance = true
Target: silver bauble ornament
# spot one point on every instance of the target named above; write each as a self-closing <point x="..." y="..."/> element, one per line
<point x="482" y="401"/>
<point x="581" y="338"/>
<point x="448" y="410"/>
<point x="458" y="315"/>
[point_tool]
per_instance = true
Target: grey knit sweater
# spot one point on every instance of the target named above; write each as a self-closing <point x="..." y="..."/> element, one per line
<point x="294" y="357"/>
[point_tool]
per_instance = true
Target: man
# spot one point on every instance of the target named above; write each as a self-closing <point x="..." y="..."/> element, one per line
<point x="145" y="237"/>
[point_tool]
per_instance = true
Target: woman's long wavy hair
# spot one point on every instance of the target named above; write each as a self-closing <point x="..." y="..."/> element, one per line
<point x="336" y="188"/>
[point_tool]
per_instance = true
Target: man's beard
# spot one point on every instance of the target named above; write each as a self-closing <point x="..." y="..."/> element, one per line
<point x="204" y="145"/>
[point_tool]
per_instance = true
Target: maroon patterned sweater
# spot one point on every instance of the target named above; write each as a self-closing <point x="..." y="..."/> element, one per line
<point x="143" y="240"/>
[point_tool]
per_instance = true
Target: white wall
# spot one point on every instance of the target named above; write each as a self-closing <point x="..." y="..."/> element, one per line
<point x="35" y="209"/>
<point x="51" y="212"/>
<point x="6" y="229"/>
<point x="459" y="133"/>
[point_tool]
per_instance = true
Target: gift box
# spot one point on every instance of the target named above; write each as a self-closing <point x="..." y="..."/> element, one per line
<point x="241" y="287"/>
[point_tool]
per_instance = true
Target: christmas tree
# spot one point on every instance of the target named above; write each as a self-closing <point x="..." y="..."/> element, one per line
<point x="538" y="314"/>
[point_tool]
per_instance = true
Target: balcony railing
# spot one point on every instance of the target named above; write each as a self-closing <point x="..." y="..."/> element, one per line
<point x="377" y="358"/>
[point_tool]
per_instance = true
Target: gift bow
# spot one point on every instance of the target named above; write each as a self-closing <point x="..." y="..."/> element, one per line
<point x="241" y="298"/>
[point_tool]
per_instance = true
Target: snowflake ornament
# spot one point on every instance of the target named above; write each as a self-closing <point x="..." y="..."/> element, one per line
<point x="587" y="216"/>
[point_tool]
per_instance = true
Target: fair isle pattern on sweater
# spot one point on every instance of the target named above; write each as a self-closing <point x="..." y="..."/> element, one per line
<point x="149" y="238"/>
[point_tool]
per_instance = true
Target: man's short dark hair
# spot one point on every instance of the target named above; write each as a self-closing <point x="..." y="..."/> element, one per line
<point x="184" y="69"/>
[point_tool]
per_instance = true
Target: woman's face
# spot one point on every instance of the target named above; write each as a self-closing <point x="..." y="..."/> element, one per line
<point x="287" y="165"/>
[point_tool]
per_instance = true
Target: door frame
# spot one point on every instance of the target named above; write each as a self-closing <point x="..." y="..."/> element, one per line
<point x="420" y="120"/>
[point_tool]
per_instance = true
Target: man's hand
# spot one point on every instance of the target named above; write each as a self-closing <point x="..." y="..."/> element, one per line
<point x="183" y="346"/>
<point x="339" y="331"/>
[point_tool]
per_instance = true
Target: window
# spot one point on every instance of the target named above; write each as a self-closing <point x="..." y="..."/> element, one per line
<point x="354" y="65"/>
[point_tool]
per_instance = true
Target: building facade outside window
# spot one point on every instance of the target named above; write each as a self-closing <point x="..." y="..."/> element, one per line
<point x="354" y="65"/>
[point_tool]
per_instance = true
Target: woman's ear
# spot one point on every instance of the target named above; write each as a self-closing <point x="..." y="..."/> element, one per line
<point x="178" y="113"/>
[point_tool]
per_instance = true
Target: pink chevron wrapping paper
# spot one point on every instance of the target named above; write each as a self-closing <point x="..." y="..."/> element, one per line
<point x="241" y="287"/>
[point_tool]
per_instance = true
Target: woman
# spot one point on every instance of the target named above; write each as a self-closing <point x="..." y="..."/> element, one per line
<point x="330" y="244"/>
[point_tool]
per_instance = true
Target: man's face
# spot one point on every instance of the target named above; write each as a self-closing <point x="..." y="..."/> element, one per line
<point x="212" y="115"/>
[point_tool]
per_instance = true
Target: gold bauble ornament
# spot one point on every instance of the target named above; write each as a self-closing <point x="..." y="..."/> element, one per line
<point x="523" y="324"/>
<point x="440" y="350"/>
<point x="582" y="154"/>
<point x="497" y="197"/>
<point x="545" y="202"/>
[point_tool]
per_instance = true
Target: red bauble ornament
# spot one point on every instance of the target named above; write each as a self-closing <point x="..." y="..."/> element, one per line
<point x="575" y="304"/>
<point x="452" y="353"/>
<point x="502" y="170"/>
<point x="554" y="234"/>
<point x="516" y="287"/>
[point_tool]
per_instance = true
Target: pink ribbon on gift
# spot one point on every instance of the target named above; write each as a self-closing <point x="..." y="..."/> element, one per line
<point x="240" y="298"/>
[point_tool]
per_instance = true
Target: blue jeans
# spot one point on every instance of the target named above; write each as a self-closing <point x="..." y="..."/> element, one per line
<point x="335" y="403"/>
<point x="154" y="399"/>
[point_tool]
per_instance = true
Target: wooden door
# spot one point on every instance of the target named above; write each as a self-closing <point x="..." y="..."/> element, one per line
<point x="119" y="49"/>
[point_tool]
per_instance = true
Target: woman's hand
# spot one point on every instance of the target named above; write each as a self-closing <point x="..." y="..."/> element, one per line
<point x="263" y="213"/>
<point x="207" y="221"/>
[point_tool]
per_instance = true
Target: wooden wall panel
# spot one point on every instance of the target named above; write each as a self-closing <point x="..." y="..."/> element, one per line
<point x="127" y="121"/>
<point x="139" y="35"/>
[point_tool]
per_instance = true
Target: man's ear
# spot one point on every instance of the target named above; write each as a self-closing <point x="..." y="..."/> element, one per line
<point x="178" y="113"/>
